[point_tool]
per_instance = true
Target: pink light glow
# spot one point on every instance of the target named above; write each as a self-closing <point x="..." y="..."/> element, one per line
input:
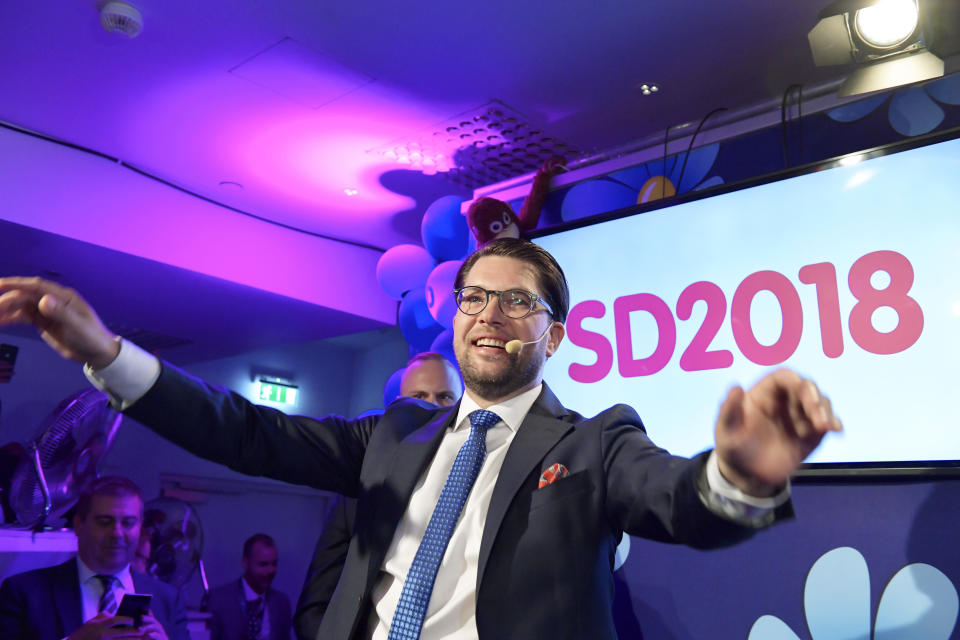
<point x="293" y="161"/>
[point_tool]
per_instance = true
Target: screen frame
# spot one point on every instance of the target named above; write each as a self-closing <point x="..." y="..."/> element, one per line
<point x="811" y="471"/>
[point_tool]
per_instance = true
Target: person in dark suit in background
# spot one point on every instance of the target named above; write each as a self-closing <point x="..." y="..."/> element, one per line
<point x="77" y="599"/>
<point x="428" y="376"/>
<point x="249" y="608"/>
<point x="496" y="519"/>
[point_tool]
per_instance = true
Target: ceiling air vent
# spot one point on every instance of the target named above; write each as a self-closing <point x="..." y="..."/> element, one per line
<point x="120" y="17"/>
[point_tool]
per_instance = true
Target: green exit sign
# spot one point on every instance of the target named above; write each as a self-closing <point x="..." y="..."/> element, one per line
<point x="277" y="393"/>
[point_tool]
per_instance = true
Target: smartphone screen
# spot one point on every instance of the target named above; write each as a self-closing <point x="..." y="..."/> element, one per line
<point x="8" y="353"/>
<point x="134" y="605"/>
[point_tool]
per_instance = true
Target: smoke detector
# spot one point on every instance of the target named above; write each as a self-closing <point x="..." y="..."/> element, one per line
<point x="120" y="17"/>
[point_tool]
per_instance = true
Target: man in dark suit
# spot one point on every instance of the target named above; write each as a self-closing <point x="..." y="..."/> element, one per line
<point x="78" y="599"/>
<point x="249" y="608"/>
<point x="428" y="376"/>
<point x="498" y="518"/>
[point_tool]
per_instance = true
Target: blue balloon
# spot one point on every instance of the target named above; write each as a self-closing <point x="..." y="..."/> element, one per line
<point x="444" y="229"/>
<point x="471" y="246"/>
<point x="439" y="292"/>
<point x="391" y="390"/>
<point x="403" y="268"/>
<point x="416" y="324"/>
<point x="443" y="344"/>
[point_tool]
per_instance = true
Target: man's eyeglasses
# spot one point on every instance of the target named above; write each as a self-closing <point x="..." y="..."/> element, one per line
<point x="515" y="303"/>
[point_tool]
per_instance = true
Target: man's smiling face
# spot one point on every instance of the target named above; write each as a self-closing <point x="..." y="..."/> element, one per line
<point x="489" y="372"/>
<point x="107" y="538"/>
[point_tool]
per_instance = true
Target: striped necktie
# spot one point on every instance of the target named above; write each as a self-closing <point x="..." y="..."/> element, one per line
<point x="417" y="588"/>
<point x="108" y="599"/>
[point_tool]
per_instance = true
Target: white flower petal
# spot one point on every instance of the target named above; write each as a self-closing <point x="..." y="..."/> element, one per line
<point x="771" y="628"/>
<point x="856" y="110"/>
<point x="946" y="90"/>
<point x="913" y="112"/>
<point x="919" y="602"/>
<point x="836" y="596"/>
<point x="623" y="550"/>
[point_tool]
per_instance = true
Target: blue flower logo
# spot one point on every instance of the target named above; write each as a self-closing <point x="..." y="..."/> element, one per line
<point x="918" y="602"/>
<point x="913" y="111"/>
<point x="641" y="184"/>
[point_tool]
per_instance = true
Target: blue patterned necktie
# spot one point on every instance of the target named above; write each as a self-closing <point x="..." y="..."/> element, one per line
<point x="412" y="607"/>
<point x="108" y="599"/>
<point x="254" y="609"/>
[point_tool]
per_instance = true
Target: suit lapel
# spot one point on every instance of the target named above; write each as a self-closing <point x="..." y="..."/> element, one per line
<point x="408" y="460"/>
<point x="66" y="597"/>
<point x="539" y="432"/>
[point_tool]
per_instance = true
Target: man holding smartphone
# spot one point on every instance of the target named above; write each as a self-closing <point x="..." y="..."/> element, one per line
<point x="81" y="598"/>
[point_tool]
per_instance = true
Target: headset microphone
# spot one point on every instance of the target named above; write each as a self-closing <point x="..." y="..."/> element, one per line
<point x="514" y="346"/>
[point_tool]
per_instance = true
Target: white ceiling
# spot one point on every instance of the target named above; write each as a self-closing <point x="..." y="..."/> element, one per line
<point x="178" y="101"/>
<point x="294" y="100"/>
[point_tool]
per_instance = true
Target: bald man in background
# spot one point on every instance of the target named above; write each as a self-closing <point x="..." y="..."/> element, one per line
<point x="428" y="376"/>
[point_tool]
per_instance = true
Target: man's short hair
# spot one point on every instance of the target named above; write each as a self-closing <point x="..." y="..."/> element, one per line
<point x="257" y="538"/>
<point x="116" y="486"/>
<point x="550" y="278"/>
<point x="429" y="355"/>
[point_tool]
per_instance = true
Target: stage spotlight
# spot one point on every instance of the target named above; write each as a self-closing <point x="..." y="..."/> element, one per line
<point x="884" y="38"/>
<point x="887" y="24"/>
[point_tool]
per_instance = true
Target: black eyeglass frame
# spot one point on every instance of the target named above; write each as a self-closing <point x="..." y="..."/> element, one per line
<point x="534" y="299"/>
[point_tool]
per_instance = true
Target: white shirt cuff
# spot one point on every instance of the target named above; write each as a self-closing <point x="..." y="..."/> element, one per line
<point x="729" y="501"/>
<point x="131" y="374"/>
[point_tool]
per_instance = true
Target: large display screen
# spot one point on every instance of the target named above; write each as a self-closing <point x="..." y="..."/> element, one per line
<point x="849" y="275"/>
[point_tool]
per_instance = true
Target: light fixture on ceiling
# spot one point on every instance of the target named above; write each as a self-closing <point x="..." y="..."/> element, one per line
<point x="122" y="18"/>
<point x="350" y="192"/>
<point x="885" y="38"/>
<point x="648" y="89"/>
<point x="887" y="24"/>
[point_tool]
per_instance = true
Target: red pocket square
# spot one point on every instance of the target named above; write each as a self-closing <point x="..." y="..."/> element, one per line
<point x="551" y="474"/>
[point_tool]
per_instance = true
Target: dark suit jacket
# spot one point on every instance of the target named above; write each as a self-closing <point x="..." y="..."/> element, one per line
<point x="229" y="622"/>
<point x="329" y="557"/>
<point x="45" y="604"/>
<point x="546" y="555"/>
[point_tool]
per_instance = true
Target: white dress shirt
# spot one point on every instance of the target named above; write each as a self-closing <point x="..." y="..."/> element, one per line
<point x="452" y="610"/>
<point x="91" y="589"/>
<point x="451" y="614"/>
